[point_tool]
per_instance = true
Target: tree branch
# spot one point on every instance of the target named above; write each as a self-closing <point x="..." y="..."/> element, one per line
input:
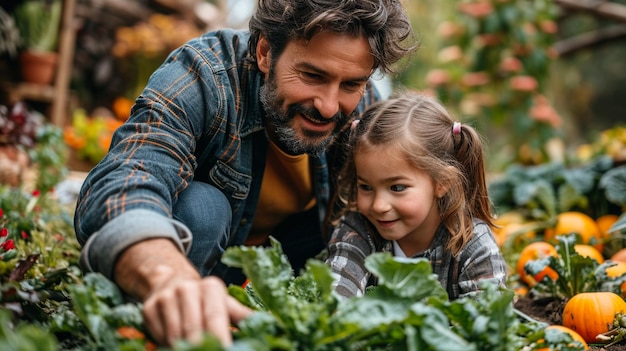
<point x="599" y="36"/>
<point x="600" y="8"/>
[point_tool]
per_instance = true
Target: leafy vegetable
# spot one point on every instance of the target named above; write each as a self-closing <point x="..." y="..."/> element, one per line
<point x="576" y="273"/>
<point x="408" y="310"/>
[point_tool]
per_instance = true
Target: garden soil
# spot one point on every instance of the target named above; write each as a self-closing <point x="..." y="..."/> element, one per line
<point x="549" y="310"/>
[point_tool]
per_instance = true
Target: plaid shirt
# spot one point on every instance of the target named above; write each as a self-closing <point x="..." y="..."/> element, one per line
<point x="199" y="118"/>
<point x="355" y="238"/>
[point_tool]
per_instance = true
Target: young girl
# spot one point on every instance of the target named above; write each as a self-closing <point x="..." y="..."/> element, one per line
<point x="414" y="185"/>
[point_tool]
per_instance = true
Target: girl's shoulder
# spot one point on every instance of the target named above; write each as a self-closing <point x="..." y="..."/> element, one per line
<point x="353" y="226"/>
<point x="482" y="238"/>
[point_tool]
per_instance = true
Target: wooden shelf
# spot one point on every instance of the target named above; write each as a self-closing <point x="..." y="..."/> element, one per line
<point x="57" y="95"/>
<point x="29" y="91"/>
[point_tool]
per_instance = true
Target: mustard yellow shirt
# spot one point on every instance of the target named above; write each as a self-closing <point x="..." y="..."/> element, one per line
<point x="286" y="189"/>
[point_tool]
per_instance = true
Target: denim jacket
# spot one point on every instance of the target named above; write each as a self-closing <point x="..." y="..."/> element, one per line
<point x="199" y="118"/>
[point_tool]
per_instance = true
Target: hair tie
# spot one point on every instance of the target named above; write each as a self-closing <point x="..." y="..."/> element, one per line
<point x="354" y="124"/>
<point x="456" y="128"/>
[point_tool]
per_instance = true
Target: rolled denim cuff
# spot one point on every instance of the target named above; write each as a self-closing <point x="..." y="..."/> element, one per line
<point x="100" y="252"/>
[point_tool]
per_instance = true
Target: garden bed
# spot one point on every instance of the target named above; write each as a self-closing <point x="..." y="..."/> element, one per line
<point x="549" y="310"/>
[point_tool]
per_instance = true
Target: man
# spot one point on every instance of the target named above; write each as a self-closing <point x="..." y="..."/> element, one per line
<point x="228" y="144"/>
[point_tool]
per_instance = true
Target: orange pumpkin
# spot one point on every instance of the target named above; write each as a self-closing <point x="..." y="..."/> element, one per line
<point x="619" y="256"/>
<point x="589" y="251"/>
<point x="534" y="251"/>
<point x="575" y="222"/>
<point x="569" y="331"/>
<point x="616" y="271"/>
<point x="502" y="234"/>
<point x="605" y="222"/>
<point x="592" y="313"/>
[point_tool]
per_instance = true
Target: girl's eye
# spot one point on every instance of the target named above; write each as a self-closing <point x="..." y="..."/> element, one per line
<point x="398" y="188"/>
<point x="364" y="187"/>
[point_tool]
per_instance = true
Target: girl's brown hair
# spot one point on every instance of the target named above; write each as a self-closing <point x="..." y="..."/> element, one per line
<point x="422" y="129"/>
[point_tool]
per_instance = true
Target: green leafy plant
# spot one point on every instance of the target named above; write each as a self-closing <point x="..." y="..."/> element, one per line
<point x="47" y="304"/>
<point x="408" y="310"/>
<point x="38" y="23"/>
<point x="576" y="273"/>
<point x="541" y="192"/>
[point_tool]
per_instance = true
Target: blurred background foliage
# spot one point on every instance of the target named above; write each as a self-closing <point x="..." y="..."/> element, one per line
<point x="542" y="80"/>
<point x="481" y="57"/>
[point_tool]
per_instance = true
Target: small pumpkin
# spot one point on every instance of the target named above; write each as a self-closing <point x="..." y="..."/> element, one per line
<point x="617" y="271"/>
<point x="569" y="331"/>
<point x="589" y="251"/>
<point x="592" y="313"/>
<point x="534" y="251"/>
<point x="576" y="222"/>
<point x="619" y="256"/>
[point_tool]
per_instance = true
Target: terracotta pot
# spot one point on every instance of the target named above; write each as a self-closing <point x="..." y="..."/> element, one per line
<point x="38" y="67"/>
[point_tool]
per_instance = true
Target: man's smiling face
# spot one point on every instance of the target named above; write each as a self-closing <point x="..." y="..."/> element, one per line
<point x="313" y="88"/>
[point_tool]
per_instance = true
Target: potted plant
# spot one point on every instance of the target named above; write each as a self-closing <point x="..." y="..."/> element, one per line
<point x="38" y="22"/>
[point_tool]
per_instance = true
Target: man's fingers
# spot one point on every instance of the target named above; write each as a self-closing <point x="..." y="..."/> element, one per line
<point x="192" y="326"/>
<point x="187" y="309"/>
<point x="214" y="308"/>
<point x="236" y="311"/>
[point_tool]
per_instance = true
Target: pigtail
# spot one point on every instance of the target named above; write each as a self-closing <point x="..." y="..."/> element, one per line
<point x="469" y="153"/>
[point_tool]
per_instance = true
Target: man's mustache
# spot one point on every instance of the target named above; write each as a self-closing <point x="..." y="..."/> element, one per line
<point x="313" y="114"/>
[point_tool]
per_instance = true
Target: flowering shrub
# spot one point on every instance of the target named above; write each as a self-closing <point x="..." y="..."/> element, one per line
<point x="611" y="142"/>
<point x="90" y="136"/>
<point x="140" y="49"/>
<point x="27" y="140"/>
<point x="493" y="64"/>
<point x="18" y="125"/>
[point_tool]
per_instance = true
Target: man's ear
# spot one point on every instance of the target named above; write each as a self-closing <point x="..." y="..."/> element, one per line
<point x="263" y="55"/>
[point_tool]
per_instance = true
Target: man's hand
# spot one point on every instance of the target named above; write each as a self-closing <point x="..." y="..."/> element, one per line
<point x="178" y="303"/>
<point x="187" y="308"/>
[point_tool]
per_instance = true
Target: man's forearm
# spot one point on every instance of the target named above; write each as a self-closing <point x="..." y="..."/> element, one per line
<point x="150" y="263"/>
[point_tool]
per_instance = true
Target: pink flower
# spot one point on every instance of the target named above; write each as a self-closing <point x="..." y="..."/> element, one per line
<point x="488" y="39"/>
<point x="36" y="192"/>
<point x="450" y="54"/>
<point x="510" y="64"/>
<point x="4" y="232"/>
<point x="549" y="27"/>
<point x="436" y="77"/>
<point x="523" y="83"/>
<point x="449" y="29"/>
<point x="1" y="213"/>
<point x="473" y="79"/>
<point x="478" y="9"/>
<point x="544" y="112"/>
<point x="24" y="235"/>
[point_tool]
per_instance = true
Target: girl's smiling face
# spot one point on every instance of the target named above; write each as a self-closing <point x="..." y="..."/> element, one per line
<point x="398" y="199"/>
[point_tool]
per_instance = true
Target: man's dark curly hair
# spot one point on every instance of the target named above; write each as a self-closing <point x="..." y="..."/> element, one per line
<point x="384" y="23"/>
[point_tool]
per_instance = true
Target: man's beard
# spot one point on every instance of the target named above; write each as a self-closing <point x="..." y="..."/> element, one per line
<point x="313" y="143"/>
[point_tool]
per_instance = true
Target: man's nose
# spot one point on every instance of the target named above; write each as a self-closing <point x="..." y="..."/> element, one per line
<point x="327" y="102"/>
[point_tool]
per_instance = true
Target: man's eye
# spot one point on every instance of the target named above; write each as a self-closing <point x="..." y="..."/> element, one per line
<point x="353" y="85"/>
<point x="398" y="187"/>
<point x="311" y="76"/>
